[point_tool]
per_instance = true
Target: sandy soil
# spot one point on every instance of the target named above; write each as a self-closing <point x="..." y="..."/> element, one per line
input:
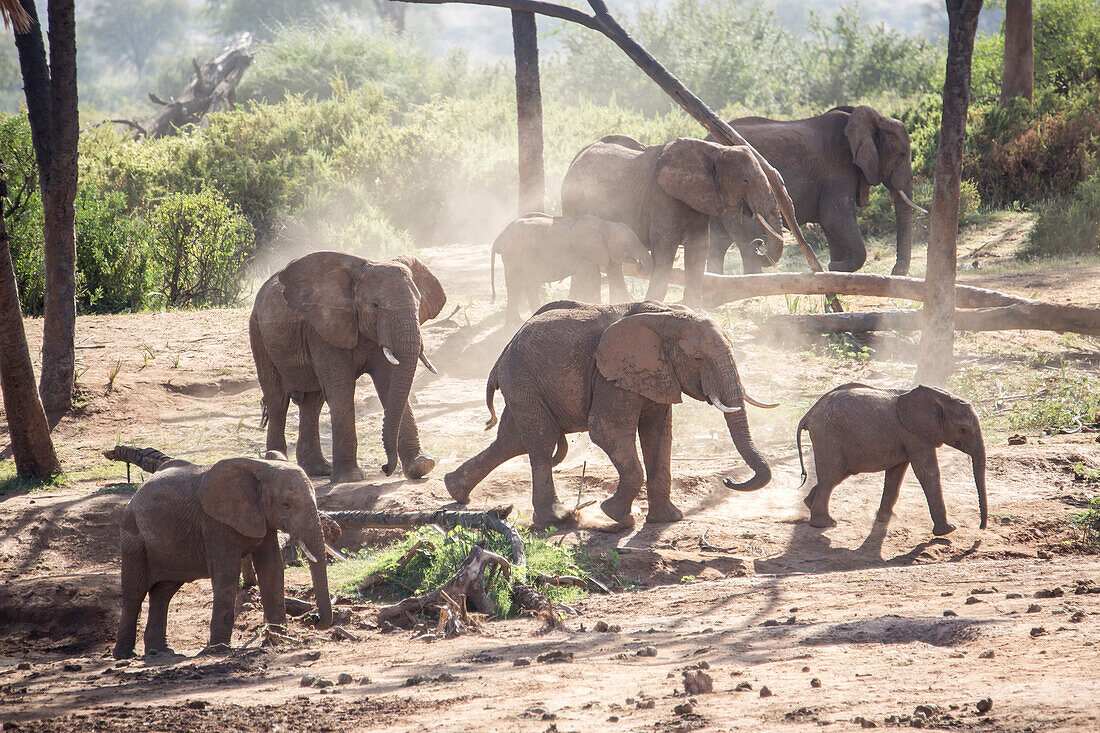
<point x="884" y="619"/>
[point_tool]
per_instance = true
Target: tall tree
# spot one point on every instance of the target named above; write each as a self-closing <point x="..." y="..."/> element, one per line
<point x="532" y="179"/>
<point x="50" y="89"/>
<point x="32" y="447"/>
<point x="1018" y="78"/>
<point x="937" y="344"/>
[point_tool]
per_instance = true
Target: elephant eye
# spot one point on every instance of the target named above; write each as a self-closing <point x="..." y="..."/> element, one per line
<point x="962" y="430"/>
<point x="375" y="305"/>
<point x="286" y="505"/>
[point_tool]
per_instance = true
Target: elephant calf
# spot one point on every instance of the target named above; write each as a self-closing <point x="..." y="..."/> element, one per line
<point x="189" y="522"/>
<point x="539" y="248"/>
<point x="860" y="429"/>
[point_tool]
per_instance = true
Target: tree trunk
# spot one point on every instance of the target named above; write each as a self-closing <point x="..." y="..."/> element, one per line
<point x="51" y="94"/>
<point x="32" y="447"/>
<point x="532" y="182"/>
<point x="1018" y="76"/>
<point x="937" y="345"/>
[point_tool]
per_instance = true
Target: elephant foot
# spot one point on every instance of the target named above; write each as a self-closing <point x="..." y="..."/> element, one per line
<point x="900" y="269"/>
<point x="419" y="467"/>
<point x="347" y="475"/>
<point x="822" y="521"/>
<point x="457" y="492"/>
<point x="882" y="518"/>
<point x="554" y="516"/>
<point x="663" y="513"/>
<point x="941" y="529"/>
<point x="123" y="651"/>
<point x="161" y="651"/>
<point x="315" y="466"/>
<point x="215" y="650"/>
<point x="618" y="508"/>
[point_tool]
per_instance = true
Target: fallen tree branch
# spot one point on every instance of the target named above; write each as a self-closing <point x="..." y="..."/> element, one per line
<point x="1031" y="316"/>
<point x="147" y="459"/>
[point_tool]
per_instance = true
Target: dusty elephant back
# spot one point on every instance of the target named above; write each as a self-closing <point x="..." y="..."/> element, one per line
<point x="855" y="415"/>
<point x="608" y="179"/>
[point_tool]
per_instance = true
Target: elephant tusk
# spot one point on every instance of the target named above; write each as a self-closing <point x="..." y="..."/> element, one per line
<point x="389" y="356"/>
<point x="721" y="406"/>
<point x="767" y="226"/>
<point x="758" y="403"/>
<point x="307" y="553"/>
<point x="909" y="201"/>
<point x="427" y="362"/>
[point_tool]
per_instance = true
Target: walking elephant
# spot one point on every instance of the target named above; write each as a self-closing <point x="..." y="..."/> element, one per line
<point x="667" y="194"/>
<point x="860" y="429"/>
<point x="321" y="322"/>
<point x="538" y="248"/>
<point x="829" y="164"/>
<point x="613" y="371"/>
<point x="189" y="522"/>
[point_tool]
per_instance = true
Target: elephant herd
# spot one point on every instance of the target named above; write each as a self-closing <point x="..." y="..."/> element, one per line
<point x="613" y="371"/>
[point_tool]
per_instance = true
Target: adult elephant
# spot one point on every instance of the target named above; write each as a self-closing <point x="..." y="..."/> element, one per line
<point x="321" y="322"/>
<point x="829" y="164"/>
<point x="615" y="372"/>
<point x="667" y="194"/>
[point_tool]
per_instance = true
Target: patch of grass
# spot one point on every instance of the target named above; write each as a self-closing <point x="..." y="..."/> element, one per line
<point x="1081" y="472"/>
<point x="13" y="483"/>
<point x="435" y="562"/>
<point x="1088" y="521"/>
<point x="1072" y="401"/>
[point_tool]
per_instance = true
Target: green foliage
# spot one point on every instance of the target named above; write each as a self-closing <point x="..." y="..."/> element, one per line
<point x="198" y="244"/>
<point x="1081" y="472"/>
<point x="1089" y="523"/>
<point x="1072" y="401"/>
<point x="12" y="483"/>
<point x="264" y="18"/>
<point x="1069" y="225"/>
<point x="434" y="564"/>
<point x="112" y="263"/>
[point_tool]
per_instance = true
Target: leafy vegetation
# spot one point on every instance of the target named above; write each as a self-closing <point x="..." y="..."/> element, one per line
<point x="1069" y="225"/>
<point x="438" y="558"/>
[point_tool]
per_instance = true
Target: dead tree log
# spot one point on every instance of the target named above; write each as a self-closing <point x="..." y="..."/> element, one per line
<point x="212" y="88"/>
<point x="147" y="459"/>
<point x="1032" y="316"/>
<point x="718" y="289"/>
<point x="602" y="21"/>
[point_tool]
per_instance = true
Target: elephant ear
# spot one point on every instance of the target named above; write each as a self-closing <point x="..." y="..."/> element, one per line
<point x="229" y="492"/>
<point x="321" y="287"/>
<point x="921" y="412"/>
<point x="432" y="297"/>
<point x="686" y="171"/>
<point x="587" y="239"/>
<point x="860" y="132"/>
<point x="630" y="355"/>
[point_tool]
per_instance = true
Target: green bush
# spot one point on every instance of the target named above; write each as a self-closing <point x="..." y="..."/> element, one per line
<point x="198" y="244"/>
<point x="1069" y="225"/>
<point x="112" y="262"/>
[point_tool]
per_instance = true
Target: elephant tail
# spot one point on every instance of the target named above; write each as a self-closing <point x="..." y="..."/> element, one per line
<point x="560" y="451"/>
<point x="798" y="442"/>
<point x="490" y="392"/>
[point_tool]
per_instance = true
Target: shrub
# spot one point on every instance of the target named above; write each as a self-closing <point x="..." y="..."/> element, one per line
<point x="112" y="262"/>
<point x="198" y="245"/>
<point x="1070" y="225"/>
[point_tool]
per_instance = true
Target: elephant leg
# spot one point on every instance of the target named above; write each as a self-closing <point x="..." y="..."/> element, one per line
<point x="842" y="231"/>
<point x="584" y="283"/>
<point x="927" y="470"/>
<point x="134" y="588"/>
<point x="269" y="573"/>
<point x="655" y="435"/>
<point x="248" y="572"/>
<point x="540" y="435"/>
<point x="664" y="245"/>
<point x="517" y="292"/>
<point x="340" y="396"/>
<point x="308" y="453"/>
<point x="613" y="426"/>
<point x="720" y="242"/>
<point x="617" y="291"/>
<point x="277" y="403"/>
<point x="890" y="490"/>
<point x="507" y="444"/>
<point x="533" y="293"/>
<point x="225" y="576"/>
<point x="695" y="264"/>
<point x="156" y="628"/>
<point x="415" y="463"/>
<point x="827" y="480"/>
<point x="276" y="398"/>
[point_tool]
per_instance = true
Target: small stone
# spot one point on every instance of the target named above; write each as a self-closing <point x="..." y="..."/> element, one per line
<point x="72" y="667"/>
<point x="1043" y="555"/>
<point x="364" y="680"/>
<point x="867" y="723"/>
<point x="805" y="669"/>
<point x="646" y="704"/>
<point x="647" y="651"/>
<point x="307" y="680"/>
<point x="521" y="662"/>
<point x="1012" y="596"/>
<point x="985" y="705"/>
<point x="742" y="687"/>
<point x="1055" y="592"/>
<point x="684" y="708"/>
<point x="1077" y="617"/>
<point x="1017" y="439"/>
<point x="972" y="600"/>
<point x="195" y="704"/>
<point x="601" y="626"/>
<point x="324" y="682"/>
<point x="23" y="665"/>
<point x="537" y="711"/>
<point x="987" y="655"/>
<point x="446" y="677"/>
<point x="949" y="612"/>
<point x="765" y="692"/>
<point x="313" y="656"/>
<point x="613" y="719"/>
<point x="630" y="701"/>
<point x="946" y="594"/>
<point x="1038" y="631"/>
<point x="554" y="656"/>
<point x="549" y="716"/>
<point x="343" y="678"/>
<point x="928" y="711"/>
<point x="698" y="682"/>
<point x="1034" y="608"/>
<point x="815" y="683"/>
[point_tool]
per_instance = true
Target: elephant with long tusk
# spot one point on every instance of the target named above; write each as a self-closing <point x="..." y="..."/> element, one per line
<point x="615" y="372"/>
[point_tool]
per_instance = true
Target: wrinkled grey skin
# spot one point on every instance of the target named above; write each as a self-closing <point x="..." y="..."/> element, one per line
<point x="860" y="429"/>
<point x="189" y="522"/>
<point x="667" y="195"/>
<point x="615" y="372"/>
<point x="320" y="323"/>
<point x="538" y="248"/>
<point x="829" y="163"/>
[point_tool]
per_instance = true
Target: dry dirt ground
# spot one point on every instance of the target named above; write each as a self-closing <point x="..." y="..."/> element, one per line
<point x="857" y="626"/>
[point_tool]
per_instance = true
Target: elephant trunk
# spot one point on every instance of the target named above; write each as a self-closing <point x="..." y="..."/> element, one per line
<point x="318" y="569"/>
<point x="978" y="459"/>
<point x="903" y="215"/>
<point x="738" y="424"/>
<point x="403" y="340"/>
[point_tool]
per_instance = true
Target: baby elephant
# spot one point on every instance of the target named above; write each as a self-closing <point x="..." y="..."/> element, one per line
<point x="539" y="248"/>
<point x="860" y="429"/>
<point x="189" y="522"/>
